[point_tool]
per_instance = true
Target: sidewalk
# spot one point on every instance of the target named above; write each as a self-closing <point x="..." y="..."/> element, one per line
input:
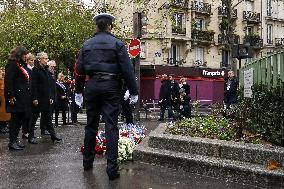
<point x="49" y="165"/>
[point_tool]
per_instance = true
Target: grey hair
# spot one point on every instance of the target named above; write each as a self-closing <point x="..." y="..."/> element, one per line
<point x="40" y="55"/>
<point x="51" y="62"/>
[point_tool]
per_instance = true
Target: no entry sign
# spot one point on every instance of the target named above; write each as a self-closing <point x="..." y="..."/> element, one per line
<point x="134" y="48"/>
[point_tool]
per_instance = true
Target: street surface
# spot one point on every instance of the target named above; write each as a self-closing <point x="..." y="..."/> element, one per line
<point x="53" y="166"/>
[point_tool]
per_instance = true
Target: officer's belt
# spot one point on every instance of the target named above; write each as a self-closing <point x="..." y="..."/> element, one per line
<point x="105" y="75"/>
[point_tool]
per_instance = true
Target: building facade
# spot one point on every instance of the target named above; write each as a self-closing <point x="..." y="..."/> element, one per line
<point x="193" y="33"/>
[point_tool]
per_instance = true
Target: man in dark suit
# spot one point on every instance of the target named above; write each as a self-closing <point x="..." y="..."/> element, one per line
<point x="41" y="93"/>
<point x="230" y="90"/>
<point x="165" y="101"/>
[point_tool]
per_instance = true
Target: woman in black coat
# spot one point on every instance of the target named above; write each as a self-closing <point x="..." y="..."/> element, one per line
<point x="61" y="99"/>
<point x="17" y="93"/>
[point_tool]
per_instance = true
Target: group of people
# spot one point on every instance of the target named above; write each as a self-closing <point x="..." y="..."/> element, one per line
<point x="175" y="98"/>
<point x="29" y="90"/>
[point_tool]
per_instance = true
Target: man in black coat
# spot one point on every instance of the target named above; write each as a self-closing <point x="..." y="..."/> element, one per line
<point x="165" y="98"/>
<point x="105" y="60"/>
<point x="230" y="90"/>
<point x="41" y="93"/>
<point x="17" y="94"/>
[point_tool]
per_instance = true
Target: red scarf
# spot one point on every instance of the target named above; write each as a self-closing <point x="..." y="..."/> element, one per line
<point x="24" y="72"/>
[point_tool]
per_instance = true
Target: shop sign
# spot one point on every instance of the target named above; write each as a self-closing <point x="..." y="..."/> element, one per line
<point x="213" y="73"/>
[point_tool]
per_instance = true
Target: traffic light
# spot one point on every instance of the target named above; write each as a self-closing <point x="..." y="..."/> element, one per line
<point x="245" y="51"/>
<point x="241" y="51"/>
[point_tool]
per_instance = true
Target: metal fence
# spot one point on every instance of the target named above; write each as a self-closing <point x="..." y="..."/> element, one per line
<point x="267" y="70"/>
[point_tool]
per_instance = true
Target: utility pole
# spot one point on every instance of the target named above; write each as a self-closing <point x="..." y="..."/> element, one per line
<point x="137" y="33"/>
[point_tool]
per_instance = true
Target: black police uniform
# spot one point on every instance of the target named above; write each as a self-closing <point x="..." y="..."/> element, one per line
<point x="105" y="60"/>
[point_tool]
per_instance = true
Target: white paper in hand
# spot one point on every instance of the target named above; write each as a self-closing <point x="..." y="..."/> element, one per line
<point x="79" y="99"/>
<point x="126" y="95"/>
<point x="133" y="99"/>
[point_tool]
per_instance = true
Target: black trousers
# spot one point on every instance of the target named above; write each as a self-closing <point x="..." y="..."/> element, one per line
<point x="32" y="124"/>
<point x="74" y="111"/>
<point x="102" y="97"/>
<point x="63" y="117"/>
<point x="17" y="120"/>
<point x="45" y="118"/>
<point x="126" y="111"/>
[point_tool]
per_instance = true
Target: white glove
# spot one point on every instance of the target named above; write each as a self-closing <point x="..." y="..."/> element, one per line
<point x="133" y="99"/>
<point x="79" y="99"/>
<point x="126" y="95"/>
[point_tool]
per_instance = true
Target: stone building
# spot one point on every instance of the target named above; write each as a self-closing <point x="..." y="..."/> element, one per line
<point x="193" y="33"/>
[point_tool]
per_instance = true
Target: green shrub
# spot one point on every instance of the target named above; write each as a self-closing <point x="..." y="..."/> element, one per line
<point x="206" y="127"/>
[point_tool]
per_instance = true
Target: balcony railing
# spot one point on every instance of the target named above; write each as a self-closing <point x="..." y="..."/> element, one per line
<point x="254" y="41"/>
<point x="206" y="36"/>
<point x="269" y="41"/>
<point x="225" y="39"/>
<point x="174" y="62"/>
<point x="178" y="30"/>
<point x="251" y="16"/>
<point x="201" y="7"/>
<point x="180" y="3"/>
<point x="223" y="11"/>
<point x="279" y="42"/>
<point x="224" y="64"/>
<point x="198" y="63"/>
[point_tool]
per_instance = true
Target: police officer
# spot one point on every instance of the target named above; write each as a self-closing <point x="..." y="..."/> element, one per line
<point x="105" y="60"/>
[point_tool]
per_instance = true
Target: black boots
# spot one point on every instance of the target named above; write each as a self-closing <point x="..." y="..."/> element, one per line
<point x="54" y="138"/>
<point x="32" y="140"/>
<point x="88" y="164"/>
<point x="114" y="176"/>
<point x="15" y="146"/>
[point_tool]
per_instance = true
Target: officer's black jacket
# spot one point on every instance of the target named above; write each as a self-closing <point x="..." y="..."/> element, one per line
<point x="17" y="86"/>
<point x="105" y="53"/>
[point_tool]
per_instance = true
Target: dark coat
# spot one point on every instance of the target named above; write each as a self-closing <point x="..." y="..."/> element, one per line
<point x="165" y="93"/>
<point x="61" y="104"/>
<point x="174" y="89"/>
<point x="186" y="88"/>
<point x="105" y="53"/>
<point x="230" y="91"/>
<point x="16" y="85"/>
<point x="41" y="88"/>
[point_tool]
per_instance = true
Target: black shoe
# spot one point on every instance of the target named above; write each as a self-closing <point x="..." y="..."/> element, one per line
<point x="55" y="139"/>
<point x="113" y="176"/>
<point x="160" y="119"/>
<point x="14" y="146"/>
<point x="88" y="165"/>
<point x="33" y="141"/>
<point x="20" y="145"/>
<point x="4" y="130"/>
<point x="25" y="136"/>
<point x="45" y="132"/>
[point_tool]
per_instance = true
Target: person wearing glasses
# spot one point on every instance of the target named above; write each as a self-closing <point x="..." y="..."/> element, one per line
<point x="41" y="94"/>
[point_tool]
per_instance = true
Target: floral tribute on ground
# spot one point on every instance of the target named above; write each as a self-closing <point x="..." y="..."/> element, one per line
<point x="130" y="135"/>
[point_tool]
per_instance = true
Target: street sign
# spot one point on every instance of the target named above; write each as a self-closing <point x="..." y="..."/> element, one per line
<point x="134" y="48"/>
<point x="248" y="83"/>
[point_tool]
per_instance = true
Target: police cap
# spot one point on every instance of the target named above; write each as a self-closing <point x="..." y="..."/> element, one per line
<point x="103" y="15"/>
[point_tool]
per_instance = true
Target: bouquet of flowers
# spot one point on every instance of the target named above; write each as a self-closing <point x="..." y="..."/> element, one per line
<point x="125" y="149"/>
<point x="129" y="136"/>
